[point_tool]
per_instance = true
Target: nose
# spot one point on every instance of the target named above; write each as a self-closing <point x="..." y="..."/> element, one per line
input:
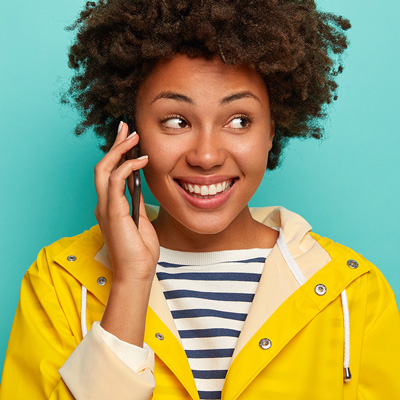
<point x="207" y="151"/>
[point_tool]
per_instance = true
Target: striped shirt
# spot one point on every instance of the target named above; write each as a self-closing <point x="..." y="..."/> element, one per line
<point x="209" y="295"/>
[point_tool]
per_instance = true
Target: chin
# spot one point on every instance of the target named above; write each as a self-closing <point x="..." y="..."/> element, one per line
<point x="207" y="226"/>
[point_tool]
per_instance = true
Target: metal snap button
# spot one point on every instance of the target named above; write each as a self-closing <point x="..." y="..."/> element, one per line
<point x="265" y="343"/>
<point x="101" y="281"/>
<point x="71" y="258"/>
<point x="159" y="336"/>
<point x="352" y="264"/>
<point x="320" y="289"/>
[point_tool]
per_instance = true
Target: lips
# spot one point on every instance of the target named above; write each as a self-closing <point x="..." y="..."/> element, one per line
<point x="206" y="191"/>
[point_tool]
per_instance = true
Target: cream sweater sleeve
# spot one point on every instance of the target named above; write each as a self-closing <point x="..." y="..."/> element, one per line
<point x="104" y="367"/>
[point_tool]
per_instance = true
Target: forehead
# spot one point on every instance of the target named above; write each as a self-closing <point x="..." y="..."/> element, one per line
<point x="200" y="77"/>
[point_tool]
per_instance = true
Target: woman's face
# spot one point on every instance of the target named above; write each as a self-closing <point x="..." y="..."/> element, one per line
<point x="207" y="130"/>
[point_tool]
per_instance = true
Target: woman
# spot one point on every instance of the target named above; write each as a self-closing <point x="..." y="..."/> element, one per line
<point x="231" y="302"/>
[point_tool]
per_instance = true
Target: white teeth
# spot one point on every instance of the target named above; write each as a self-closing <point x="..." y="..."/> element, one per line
<point x="205" y="190"/>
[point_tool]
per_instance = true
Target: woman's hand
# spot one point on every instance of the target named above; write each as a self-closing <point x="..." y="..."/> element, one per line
<point x="133" y="251"/>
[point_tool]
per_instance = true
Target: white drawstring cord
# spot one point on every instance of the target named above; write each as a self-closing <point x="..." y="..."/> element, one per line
<point x="346" y="323"/>
<point x="296" y="271"/>
<point x="83" y="311"/>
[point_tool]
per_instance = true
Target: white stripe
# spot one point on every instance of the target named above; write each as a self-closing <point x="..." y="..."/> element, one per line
<point x="213" y="363"/>
<point x="209" y="322"/>
<point x="209" y="384"/>
<point x="210" y="286"/>
<point x="296" y="271"/>
<point x="242" y="307"/>
<point x="229" y="342"/>
<point x="219" y="342"/>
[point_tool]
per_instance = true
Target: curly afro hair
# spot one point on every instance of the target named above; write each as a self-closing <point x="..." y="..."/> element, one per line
<point x="295" y="48"/>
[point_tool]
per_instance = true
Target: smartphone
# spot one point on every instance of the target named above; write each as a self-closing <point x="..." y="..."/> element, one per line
<point x="133" y="181"/>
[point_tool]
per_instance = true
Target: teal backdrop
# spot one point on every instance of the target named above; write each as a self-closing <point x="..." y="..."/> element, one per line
<point x="346" y="186"/>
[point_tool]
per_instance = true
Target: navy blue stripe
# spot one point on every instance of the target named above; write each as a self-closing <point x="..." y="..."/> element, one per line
<point x="209" y="353"/>
<point x="170" y="265"/>
<point x="175" y="294"/>
<point x="198" y="333"/>
<point x="250" y="260"/>
<point x="210" y="374"/>
<point x="208" y="395"/>
<point x="212" y="276"/>
<point x="204" y="312"/>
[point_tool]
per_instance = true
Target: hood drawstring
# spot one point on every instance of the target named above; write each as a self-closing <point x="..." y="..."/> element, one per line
<point x="296" y="271"/>
<point x="300" y="278"/>
<point x="346" y="323"/>
<point x="83" y="311"/>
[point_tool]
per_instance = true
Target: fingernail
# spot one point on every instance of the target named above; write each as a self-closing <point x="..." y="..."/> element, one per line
<point x="131" y="135"/>
<point x="142" y="157"/>
<point x="121" y="124"/>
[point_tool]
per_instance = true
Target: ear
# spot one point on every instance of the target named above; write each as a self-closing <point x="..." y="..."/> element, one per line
<point x="271" y="135"/>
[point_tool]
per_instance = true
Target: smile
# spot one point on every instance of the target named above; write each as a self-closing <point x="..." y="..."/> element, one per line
<point x="206" y="191"/>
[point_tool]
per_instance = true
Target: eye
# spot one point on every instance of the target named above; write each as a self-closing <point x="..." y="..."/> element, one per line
<point x="175" y="122"/>
<point x="239" y="122"/>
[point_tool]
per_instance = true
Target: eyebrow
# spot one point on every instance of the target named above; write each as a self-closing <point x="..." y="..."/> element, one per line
<point x="238" y="96"/>
<point x="173" y="96"/>
<point x="189" y="100"/>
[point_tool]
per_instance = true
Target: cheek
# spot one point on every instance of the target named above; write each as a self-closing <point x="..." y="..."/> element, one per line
<point x="159" y="162"/>
<point x="163" y="157"/>
<point x="254" y="156"/>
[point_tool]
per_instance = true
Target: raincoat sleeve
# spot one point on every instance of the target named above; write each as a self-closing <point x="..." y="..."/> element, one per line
<point x="380" y="360"/>
<point x="42" y="341"/>
<point x="100" y="369"/>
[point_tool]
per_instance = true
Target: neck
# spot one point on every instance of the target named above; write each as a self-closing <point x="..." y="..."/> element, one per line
<point x="242" y="233"/>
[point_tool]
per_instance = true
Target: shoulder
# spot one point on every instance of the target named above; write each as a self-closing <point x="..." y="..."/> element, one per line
<point x="88" y="242"/>
<point x="69" y="264"/>
<point x="366" y="283"/>
<point x="68" y="250"/>
<point x="338" y="252"/>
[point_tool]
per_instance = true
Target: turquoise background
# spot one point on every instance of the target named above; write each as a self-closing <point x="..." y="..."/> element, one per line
<point x="346" y="186"/>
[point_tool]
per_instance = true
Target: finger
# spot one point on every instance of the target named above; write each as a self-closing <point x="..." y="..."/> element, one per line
<point x="122" y="160"/>
<point x="114" y="156"/>
<point x="117" y="202"/>
<point x="109" y="163"/>
<point x="122" y="133"/>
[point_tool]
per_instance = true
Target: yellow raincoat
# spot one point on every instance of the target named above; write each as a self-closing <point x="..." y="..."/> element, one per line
<point x="291" y="346"/>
